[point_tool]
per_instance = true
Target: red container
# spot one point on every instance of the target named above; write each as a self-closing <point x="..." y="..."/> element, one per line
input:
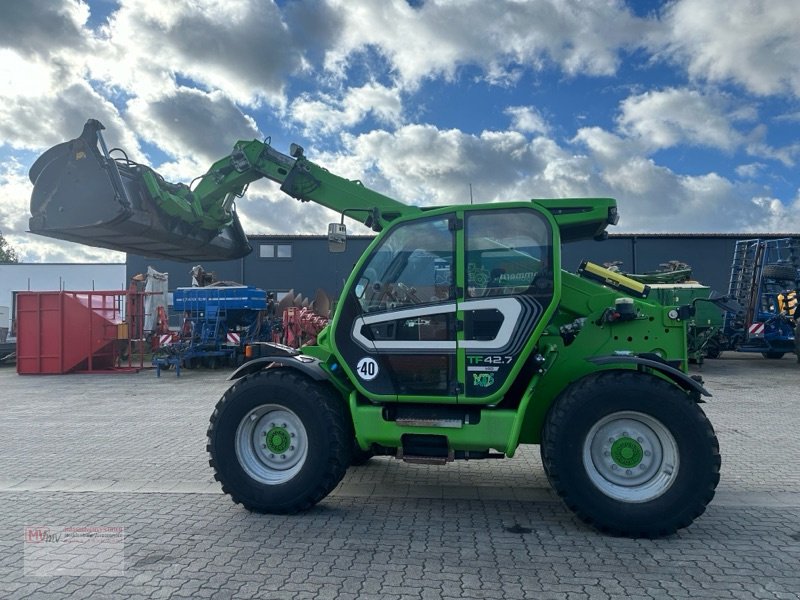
<point x="65" y="332"/>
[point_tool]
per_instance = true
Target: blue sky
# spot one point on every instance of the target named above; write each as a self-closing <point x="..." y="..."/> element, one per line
<point x="687" y="112"/>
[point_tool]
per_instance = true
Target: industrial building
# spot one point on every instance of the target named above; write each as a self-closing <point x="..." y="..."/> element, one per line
<point x="303" y="264"/>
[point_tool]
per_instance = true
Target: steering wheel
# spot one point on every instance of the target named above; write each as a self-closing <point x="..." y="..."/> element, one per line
<point x="396" y="294"/>
<point x="406" y="294"/>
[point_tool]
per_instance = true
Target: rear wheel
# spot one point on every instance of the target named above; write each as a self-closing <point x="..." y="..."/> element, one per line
<point x="631" y="454"/>
<point x="279" y="442"/>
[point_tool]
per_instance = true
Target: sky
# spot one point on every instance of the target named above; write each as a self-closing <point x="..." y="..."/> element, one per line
<point x="687" y="112"/>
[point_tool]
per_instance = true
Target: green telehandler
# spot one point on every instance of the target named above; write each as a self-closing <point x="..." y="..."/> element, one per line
<point x="458" y="336"/>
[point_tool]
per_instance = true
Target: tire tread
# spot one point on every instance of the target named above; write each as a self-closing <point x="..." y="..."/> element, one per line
<point x="332" y="411"/>
<point x="558" y="421"/>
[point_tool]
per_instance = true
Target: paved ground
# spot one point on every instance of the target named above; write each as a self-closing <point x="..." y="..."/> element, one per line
<point x="128" y="451"/>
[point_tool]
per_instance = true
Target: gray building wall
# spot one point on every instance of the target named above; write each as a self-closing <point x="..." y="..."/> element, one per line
<point x="311" y="266"/>
<point x="710" y="256"/>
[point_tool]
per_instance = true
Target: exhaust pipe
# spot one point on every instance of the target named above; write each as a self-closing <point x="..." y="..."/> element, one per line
<point x="81" y="194"/>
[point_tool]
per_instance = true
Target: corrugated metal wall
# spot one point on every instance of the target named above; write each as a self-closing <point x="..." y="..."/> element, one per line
<point x="311" y="266"/>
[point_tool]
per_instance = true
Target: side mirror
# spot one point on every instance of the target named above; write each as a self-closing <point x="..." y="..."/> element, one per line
<point x="337" y="237"/>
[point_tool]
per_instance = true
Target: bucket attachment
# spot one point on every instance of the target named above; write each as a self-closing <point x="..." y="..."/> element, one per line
<point x="81" y="194"/>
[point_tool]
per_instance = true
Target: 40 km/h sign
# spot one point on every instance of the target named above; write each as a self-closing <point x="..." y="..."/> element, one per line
<point x="367" y="369"/>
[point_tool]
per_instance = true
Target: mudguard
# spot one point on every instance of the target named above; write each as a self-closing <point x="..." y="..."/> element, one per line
<point x="679" y="377"/>
<point x="306" y="364"/>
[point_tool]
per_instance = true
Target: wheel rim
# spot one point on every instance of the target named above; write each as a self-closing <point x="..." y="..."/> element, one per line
<point x="271" y="444"/>
<point x="631" y="456"/>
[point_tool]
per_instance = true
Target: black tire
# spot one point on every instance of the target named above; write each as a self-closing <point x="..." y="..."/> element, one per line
<point x="311" y="426"/>
<point x="646" y="500"/>
<point x="781" y="272"/>
<point x="773" y="355"/>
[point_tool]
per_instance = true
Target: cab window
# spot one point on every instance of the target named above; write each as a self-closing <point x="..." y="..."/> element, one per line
<point x="413" y="265"/>
<point x="508" y="252"/>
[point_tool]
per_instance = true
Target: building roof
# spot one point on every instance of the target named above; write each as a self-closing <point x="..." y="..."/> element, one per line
<point x="736" y="236"/>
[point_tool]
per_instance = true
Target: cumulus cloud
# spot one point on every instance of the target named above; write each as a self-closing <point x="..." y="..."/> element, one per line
<point x="183" y="80"/>
<point x="323" y="114"/>
<point x="421" y="164"/>
<point x="425" y="165"/>
<point x="526" y="119"/>
<point x="780" y="216"/>
<point x="653" y="198"/>
<point x="40" y="121"/>
<point x="438" y="37"/>
<point x="752" y="43"/>
<point x="750" y="170"/>
<point x="43" y="28"/>
<point x="243" y="47"/>
<point x="267" y="210"/>
<point x="44" y="95"/>
<point x="191" y="122"/>
<point x="786" y="154"/>
<point x="792" y="117"/>
<point x="666" y="118"/>
<point x="428" y="166"/>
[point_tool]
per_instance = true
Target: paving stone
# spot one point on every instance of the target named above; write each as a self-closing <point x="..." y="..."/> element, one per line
<point x="130" y="451"/>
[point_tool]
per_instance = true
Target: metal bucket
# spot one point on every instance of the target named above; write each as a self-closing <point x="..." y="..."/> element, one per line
<point x="81" y="194"/>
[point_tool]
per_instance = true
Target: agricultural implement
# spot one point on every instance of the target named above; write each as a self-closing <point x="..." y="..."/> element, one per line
<point x="765" y="277"/>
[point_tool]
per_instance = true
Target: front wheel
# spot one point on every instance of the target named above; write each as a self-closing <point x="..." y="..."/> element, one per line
<point x="631" y="454"/>
<point x="279" y="442"/>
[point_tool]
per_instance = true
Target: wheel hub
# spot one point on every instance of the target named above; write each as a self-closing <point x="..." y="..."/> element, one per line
<point x="627" y="452"/>
<point x="277" y="440"/>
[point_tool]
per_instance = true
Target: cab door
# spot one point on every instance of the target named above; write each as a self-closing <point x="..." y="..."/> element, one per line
<point x="396" y="331"/>
<point x="509" y="275"/>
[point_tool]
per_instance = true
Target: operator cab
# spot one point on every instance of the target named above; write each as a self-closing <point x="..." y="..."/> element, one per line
<point x="447" y="305"/>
